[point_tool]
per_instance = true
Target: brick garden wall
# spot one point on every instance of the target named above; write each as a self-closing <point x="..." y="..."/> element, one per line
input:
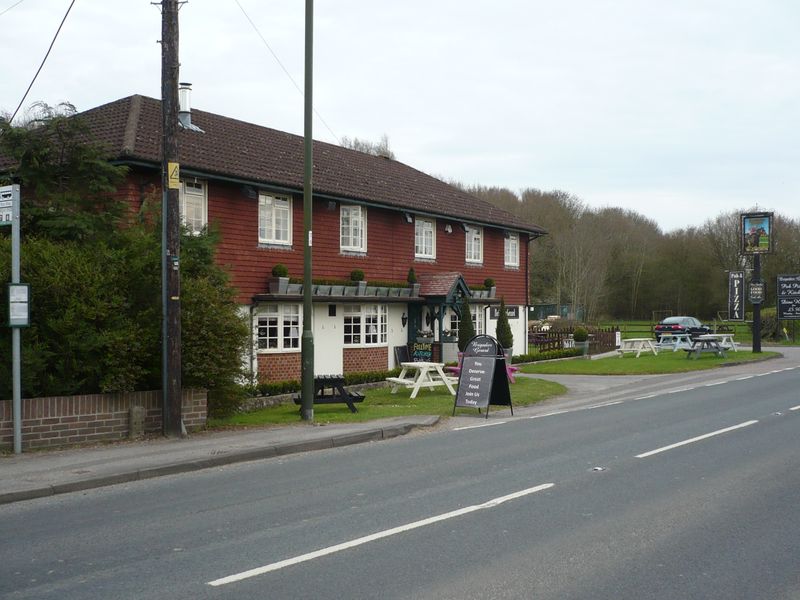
<point x="365" y="359"/>
<point x="66" y="420"/>
<point x="279" y="367"/>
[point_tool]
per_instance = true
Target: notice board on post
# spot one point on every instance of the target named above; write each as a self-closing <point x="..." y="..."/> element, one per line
<point x="483" y="379"/>
<point x="789" y="297"/>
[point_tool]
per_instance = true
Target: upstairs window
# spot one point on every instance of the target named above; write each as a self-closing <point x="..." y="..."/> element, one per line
<point x="424" y="238"/>
<point x="474" y="248"/>
<point x="512" y="250"/>
<point x="274" y="219"/>
<point x="194" y="205"/>
<point x="353" y="229"/>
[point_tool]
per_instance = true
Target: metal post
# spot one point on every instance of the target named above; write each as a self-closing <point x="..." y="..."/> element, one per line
<point x="757" y="306"/>
<point x="307" y="351"/>
<point x="171" y="227"/>
<point x="16" y="339"/>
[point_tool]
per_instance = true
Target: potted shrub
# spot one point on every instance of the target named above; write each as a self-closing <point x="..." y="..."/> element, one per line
<point x="488" y="283"/>
<point x="357" y="276"/>
<point x="412" y="281"/>
<point x="504" y="335"/>
<point x="279" y="283"/>
<point x="581" y="338"/>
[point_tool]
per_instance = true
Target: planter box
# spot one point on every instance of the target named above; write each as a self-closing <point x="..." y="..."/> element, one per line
<point x="294" y="288"/>
<point x="278" y="285"/>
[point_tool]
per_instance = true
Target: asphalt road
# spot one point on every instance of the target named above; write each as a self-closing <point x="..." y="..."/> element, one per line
<point x="672" y="488"/>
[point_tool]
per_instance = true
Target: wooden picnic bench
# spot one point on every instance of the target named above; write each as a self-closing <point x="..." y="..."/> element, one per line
<point x="707" y="343"/>
<point x="337" y="394"/>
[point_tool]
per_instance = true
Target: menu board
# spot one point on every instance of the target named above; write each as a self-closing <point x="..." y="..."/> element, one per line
<point x="483" y="379"/>
<point x="788" y="296"/>
<point x="422" y="352"/>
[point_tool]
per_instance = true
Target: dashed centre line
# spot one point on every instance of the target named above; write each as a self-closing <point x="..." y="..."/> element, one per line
<point x="376" y="536"/>
<point x="695" y="439"/>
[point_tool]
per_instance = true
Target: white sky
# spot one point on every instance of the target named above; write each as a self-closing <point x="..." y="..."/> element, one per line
<point x="679" y="110"/>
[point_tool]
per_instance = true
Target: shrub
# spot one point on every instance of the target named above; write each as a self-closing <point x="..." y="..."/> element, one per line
<point x="549" y="355"/>
<point x="280" y="270"/>
<point x="504" y="335"/>
<point x="488" y="283"/>
<point x="466" y="329"/>
<point x="412" y="276"/>
<point x="580" y="334"/>
<point x="356" y="275"/>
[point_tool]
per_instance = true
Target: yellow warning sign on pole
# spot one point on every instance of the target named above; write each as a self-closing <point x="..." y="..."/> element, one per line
<point x="174" y="175"/>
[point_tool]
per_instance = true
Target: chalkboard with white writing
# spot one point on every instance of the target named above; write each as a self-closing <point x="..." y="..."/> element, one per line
<point x="483" y="380"/>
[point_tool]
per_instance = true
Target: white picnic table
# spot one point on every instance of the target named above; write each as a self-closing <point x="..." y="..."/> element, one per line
<point x="676" y="341"/>
<point x="418" y="375"/>
<point x="638" y="345"/>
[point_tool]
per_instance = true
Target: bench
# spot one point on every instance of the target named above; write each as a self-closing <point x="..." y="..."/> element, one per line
<point x="706" y="343"/>
<point x="337" y="395"/>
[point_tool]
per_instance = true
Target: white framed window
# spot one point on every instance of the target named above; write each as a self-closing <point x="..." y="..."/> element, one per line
<point x="478" y="321"/>
<point x="279" y="327"/>
<point x="474" y="245"/>
<point x="511" y="247"/>
<point x="274" y="219"/>
<point x="424" y="238"/>
<point x="365" y="325"/>
<point x="353" y="228"/>
<point x="194" y="205"/>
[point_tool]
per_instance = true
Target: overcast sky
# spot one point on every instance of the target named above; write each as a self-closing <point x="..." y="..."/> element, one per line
<point x="678" y="110"/>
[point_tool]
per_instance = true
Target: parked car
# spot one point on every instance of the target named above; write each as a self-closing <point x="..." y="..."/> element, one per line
<point x="688" y="325"/>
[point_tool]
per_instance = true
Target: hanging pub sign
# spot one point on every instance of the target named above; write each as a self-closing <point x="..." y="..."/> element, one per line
<point x="736" y="296"/>
<point x="757" y="234"/>
<point x="483" y="379"/>
<point x="788" y="297"/>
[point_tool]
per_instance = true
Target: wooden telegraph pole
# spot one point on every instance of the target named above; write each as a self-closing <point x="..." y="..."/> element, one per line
<point x="170" y="226"/>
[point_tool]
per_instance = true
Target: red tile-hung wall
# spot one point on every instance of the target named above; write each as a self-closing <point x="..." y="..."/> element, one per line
<point x="390" y="245"/>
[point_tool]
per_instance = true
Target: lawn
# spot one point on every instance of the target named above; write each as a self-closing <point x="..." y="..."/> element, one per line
<point x="646" y="364"/>
<point x="380" y="403"/>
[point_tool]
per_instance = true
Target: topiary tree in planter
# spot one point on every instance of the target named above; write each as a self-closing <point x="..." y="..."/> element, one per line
<point x="504" y="335"/>
<point x="466" y="328"/>
<point x="581" y="338"/>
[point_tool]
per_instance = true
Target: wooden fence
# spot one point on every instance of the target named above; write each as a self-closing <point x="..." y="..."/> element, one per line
<point x="600" y="340"/>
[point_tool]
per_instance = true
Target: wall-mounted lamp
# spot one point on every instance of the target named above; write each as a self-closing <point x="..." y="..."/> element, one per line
<point x="331" y="205"/>
<point x="448" y="228"/>
<point x="404" y="319"/>
<point x="250" y="192"/>
<point x="464" y="227"/>
<point x="409" y="218"/>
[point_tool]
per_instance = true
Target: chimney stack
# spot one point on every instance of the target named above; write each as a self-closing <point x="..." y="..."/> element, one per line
<point x="185" y="105"/>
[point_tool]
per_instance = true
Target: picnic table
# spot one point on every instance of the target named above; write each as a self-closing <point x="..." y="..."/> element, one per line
<point x="334" y="384"/>
<point x="638" y="345"/>
<point x="676" y="341"/>
<point x="709" y="342"/>
<point x="418" y="375"/>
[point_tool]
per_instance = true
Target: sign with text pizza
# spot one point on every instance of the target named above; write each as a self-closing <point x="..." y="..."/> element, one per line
<point x="736" y="296"/>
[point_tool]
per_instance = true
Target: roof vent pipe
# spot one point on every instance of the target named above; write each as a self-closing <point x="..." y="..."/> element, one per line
<point x="184" y="104"/>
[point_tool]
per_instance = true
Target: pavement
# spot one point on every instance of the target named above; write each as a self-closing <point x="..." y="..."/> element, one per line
<point x="46" y="473"/>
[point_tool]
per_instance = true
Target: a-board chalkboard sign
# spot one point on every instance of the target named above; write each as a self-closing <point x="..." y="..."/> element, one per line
<point x="421" y="352"/>
<point x="483" y="379"/>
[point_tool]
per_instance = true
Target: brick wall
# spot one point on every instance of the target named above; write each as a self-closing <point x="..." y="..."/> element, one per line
<point x="279" y="367"/>
<point x="357" y="360"/>
<point x="66" y="420"/>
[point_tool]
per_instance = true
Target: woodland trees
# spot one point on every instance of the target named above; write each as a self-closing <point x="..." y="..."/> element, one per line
<point x="618" y="263"/>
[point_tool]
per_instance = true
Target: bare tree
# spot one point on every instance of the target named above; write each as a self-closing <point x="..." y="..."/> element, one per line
<point x="379" y="148"/>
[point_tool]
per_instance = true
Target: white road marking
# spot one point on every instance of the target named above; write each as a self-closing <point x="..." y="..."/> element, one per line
<point x="678" y="391"/>
<point x="550" y="414"/>
<point x="376" y="536"/>
<point x="715" y="383"/>
<point x="603" y="404"/>
<point x="646" y="397"/>
<point x="696" y="439"/>
<point x="745" y="377"/>
<point x="477" y="426"/>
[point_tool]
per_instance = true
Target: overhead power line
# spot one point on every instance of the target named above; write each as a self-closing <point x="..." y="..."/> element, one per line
<point x="12" y="6"/>
<point x="43" y="60"/>
<point x="278" y="60"/>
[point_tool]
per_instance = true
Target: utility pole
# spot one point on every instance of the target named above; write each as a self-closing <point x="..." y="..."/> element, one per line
<point x="170" y="224"/>
<point x="307" y="350"/>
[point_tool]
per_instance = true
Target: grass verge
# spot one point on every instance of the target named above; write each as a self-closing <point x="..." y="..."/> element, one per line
<point x="380" y="403"/>
<point x="646" y="364"/>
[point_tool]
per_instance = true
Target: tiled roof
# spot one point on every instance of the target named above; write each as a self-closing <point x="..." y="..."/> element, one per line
<point x="437" y="284"/>
<point x="131" y="130"/>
